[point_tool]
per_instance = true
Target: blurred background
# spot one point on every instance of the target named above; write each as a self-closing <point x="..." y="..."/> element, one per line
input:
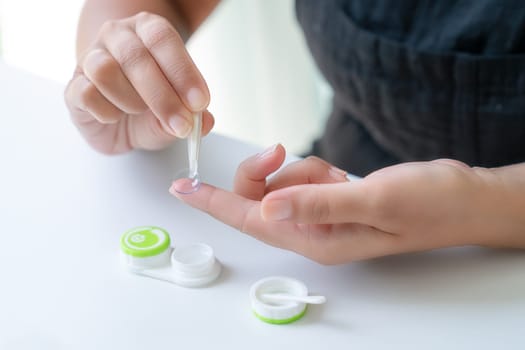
<point x="264" y="85"/>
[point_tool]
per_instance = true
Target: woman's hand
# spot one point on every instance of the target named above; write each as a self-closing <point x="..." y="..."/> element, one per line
<point x="309" y="207"/>
<point x="136" y="87"/>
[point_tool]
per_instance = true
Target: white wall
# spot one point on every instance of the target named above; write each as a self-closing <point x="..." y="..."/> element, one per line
<point x="264" y="85"/>
<point x="39" y="36"/>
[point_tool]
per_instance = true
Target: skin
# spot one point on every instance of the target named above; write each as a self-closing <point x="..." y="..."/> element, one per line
<point x="309" y="207"/>
<point x="136" y="87"/>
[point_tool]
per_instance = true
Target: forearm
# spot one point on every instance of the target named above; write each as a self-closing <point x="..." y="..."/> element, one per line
<point x="185" y="15"/>
<point x="507" y="187"/>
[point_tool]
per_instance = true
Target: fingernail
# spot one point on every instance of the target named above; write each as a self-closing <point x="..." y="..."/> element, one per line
<point x="184" y="186"/>
<point x="180" y="126"/>
<point x="277" y="210"/>
<point x="196" y="99"/>
<point x="337" y="174"/>
<point x="267" y="152"/>
<point x="172" y="190"/>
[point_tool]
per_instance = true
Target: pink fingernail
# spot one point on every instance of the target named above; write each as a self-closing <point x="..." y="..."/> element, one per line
<point x="180" y="126"/>
<point x="278" y="210"/>
<point x="172" y="189"/>
<point x="267" y="152"/>
<point x="336" y="173"/>
<point x="196" y="99"/>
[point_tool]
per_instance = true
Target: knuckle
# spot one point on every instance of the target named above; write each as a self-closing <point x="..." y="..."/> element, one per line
<point x="316" y="161"/>
<point x="131" y="55"/>
<point x="158" y="98"/>
<point x="178" y="68"/>
<point x="109" y="27"/>
<point x="452" y="162"/>
<point x="313" y="159"/>
<point x="100" y="67"/>
<point x="164" y="104"/>
<point x="319" y="207"/>
<point x="144" y="16"/>
<point x="156" y="33"/>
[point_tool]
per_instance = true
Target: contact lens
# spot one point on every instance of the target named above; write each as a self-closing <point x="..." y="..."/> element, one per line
<point x="186" y="182"/>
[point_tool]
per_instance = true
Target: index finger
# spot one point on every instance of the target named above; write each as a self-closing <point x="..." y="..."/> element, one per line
<point x="242" y="214"/>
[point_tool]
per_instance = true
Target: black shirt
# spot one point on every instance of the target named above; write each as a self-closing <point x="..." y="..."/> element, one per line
<point x="419" y="80"/>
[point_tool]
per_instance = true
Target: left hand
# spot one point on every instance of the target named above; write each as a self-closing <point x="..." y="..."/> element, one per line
<point x="309" y="207"/>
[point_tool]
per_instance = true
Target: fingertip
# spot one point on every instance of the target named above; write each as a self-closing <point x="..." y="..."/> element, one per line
<point x="208" y="122"/>
<point x="337" y="174"/>
<point x="182" y="187"/>
<point x="268" y="160"/>
<point x="173" y="189"/>
<point x="195" y="195"/>
<point x="259" y="166"/>
<point x="276" y="150"/>
<point x="197" y="99"/>
<point x="280" y="152"/>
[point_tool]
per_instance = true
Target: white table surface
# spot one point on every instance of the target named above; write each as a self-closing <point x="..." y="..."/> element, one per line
<point x="63" y="208"/>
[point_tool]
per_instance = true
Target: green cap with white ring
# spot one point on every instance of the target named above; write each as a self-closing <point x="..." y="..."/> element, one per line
<point x="145" y="241"/>
<point x="281" y="300"/>
<point x="146" y="247"/>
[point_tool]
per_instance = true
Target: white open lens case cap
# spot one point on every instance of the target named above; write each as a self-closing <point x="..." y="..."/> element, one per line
<point x="146" y="251"/>
<point x="194" y="265"/>
<point x="281" y="312"/>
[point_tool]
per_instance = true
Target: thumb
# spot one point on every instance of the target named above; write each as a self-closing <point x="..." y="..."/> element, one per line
<point x="317" y="204"/>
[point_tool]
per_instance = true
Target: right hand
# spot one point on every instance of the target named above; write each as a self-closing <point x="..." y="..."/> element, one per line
<point x="136" y="86"/>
